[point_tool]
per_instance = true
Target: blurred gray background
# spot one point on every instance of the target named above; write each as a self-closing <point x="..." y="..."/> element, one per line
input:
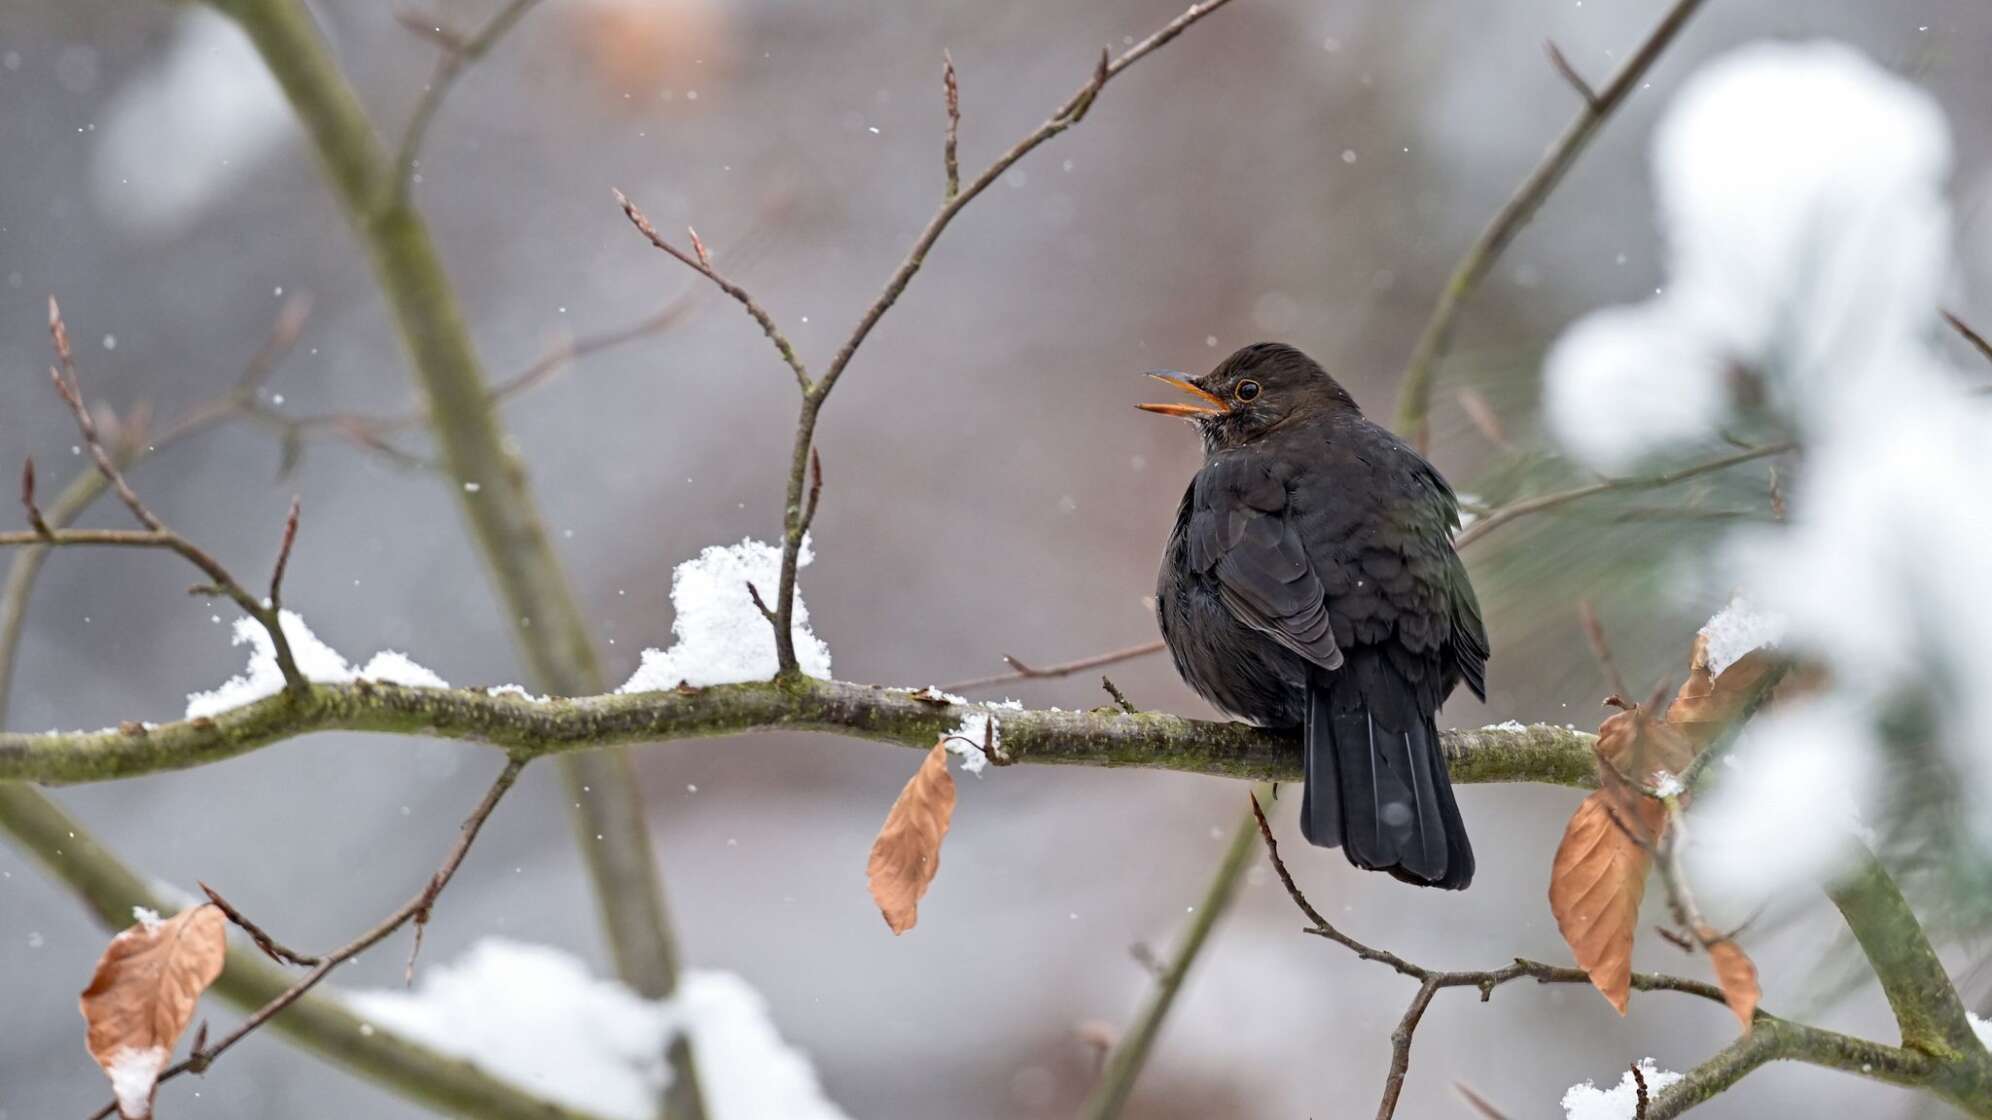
<point x="1306" y="171"/>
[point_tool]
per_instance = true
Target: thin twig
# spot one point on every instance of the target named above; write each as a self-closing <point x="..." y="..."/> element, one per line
<point x="760" y="604"/>
<point x="1515" y="510"/>
<point x="1600" y="648"/>
<point x="28" y="499"/>
<point x="458" y="53"/>
<point x="1120" y="698"/>
<point x="271" y="947"/>
<point x="283" y="555"/>
<point x="159" y="536"/>
<point x="1022" y="672"/>
<point x="1430" y="980"/>
<point x="953" y="92"/>
<point x="1570" y="74"/>
<point x="701" y="263"/>
<point x="1415" y="393"/>
<point x="1478" y="1103"/>
<point x="1977" y="340"/>
<point x="815" y="393"/>
<point x="415" y="908"/>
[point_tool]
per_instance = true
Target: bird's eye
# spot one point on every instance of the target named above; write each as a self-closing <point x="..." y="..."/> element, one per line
<point x="1246" y="390"/>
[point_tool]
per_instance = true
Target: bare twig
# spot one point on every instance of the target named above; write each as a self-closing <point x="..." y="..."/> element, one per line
<point x="271" y="947"/>
<point x="158" y="535"/>
<point x="1600" y="648"/>
<point x="1415" y="392"/>
<point x="1516" y="510"/>
<point x="28" y="499"/>
<point x="1639" y="1084"/>
<point x="1431" y="981"/>
<point x="283" y="555"/>
<point x="760" y="604"/>
<point x="1570" y="74"/>
<point x="457" y="54"/>
<point x="953" y="92"/>
<point x="415" y="909"/>
<point x="815" y="392"/>
<point x="1977" y="340"/>
<point x="1119" y="697"/>
<point x="1478" y="1103"/>
<point x="1023" y="672"/>
<point x="701" y="263"/>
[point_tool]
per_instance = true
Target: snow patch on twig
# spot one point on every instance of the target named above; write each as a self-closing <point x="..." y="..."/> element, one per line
<point x="720" y="635"/>
<point x="316" y="660"/>
<point x="1621" y="1101"/>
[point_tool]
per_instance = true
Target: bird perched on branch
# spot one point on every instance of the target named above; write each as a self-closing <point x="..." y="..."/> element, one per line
<point x="1311" y="583"/>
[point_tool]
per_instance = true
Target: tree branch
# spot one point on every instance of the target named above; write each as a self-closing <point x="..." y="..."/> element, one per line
<point x="1414" y="394"/>
<point x="1432" y="981"/>
<point x="490" y="484"/>
<point x="415" y="909"/>
<point x="531" y="729"/>
<point x="319" y="1023"/>
<point x="1110" y="1096"/>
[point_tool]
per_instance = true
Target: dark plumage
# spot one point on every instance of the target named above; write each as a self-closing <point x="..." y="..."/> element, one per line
<point x="1311" y="583"/>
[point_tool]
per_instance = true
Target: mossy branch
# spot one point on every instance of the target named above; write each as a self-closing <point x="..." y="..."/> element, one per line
<point x="531" y="729"/>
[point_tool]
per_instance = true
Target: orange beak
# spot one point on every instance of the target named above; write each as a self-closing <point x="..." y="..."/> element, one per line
<point x="1188" y="411"/>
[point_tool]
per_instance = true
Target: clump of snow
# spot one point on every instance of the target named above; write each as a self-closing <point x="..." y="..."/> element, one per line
<point x="1736" y="630"/>
<point x="977" y="728"/>
<point x="1509" y="725"/>
<point x="534" y="1015"/>
<point x="134" y="1073"/>
<point x="514" y="690"/>
<point x="1801" y="190"/>
<point x="1793" y="801"/>
<point x="394" y="667"/>
<point x="316" y="660"/>
<point x="145" y="917"/>
<point x="720" y="635"/>
<point x="1980" y="1027"/>
<point x="1621" y="1101"/>
<point x="1667" y="784"/>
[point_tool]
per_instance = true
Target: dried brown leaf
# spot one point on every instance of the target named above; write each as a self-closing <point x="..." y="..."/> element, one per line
<point x="143" y="995"/>
<point x="1636" y="745"/>
<point x="1596" y="882"/>
<point x="1736" y="973"/>
<point x="1707" y="703"/>
<point x="907" y="852"/>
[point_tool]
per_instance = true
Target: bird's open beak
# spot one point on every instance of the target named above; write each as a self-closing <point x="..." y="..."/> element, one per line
<point x="1191" y="411"/>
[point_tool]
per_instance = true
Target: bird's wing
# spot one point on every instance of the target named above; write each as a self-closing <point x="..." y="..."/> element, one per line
<point x="1241" y="536"/>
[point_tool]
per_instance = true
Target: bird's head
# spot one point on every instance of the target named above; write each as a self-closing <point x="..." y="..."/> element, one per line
<point x="1263" y="387"/>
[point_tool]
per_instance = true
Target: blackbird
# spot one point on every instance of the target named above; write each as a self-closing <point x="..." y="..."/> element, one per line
<point x="1311" y="582"/>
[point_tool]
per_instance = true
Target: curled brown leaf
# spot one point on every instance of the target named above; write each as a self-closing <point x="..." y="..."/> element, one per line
<point x="1597" y="881"/>
<point x="907" y="852"/>
<point x="143" y="995"/>
<point x="1709" y="702"/>
<point x="1736" y="973"/>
